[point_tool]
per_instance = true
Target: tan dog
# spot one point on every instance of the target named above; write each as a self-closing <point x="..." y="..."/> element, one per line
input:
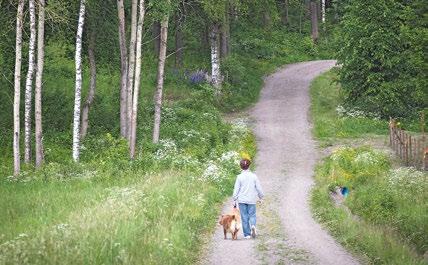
<point x="231" y="223"/>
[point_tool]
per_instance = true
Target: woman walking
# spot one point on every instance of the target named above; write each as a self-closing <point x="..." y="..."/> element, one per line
<point x="247" y="192"/>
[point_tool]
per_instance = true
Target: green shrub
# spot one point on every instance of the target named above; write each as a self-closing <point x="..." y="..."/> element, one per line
<point x="380" y="51"/>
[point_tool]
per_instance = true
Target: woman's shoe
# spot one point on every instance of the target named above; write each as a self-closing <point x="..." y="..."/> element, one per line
<point x="253" y="232"/>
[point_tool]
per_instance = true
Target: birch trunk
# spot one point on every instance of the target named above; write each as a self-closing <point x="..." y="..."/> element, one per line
<point x="17" y="87"/>
<point x="78" y="88"/>
<point x="215" y="62"/>
<point x="131" y="64"/>
<point x="314" y="21"/>
<point x="29" y="83"/>
<point x="38" y="84"/>
<point x="92" y="85"/>
<point x="133" y="134"/>
<point x="160" y="77"/>
<point x="123" y="70"/>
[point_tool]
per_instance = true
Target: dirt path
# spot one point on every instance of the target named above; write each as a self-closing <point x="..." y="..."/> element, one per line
<point x="285" y="161"/>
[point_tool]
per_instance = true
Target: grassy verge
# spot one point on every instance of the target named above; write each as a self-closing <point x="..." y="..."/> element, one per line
<point x="103" y="223"/>
<point x="384" y="218"/>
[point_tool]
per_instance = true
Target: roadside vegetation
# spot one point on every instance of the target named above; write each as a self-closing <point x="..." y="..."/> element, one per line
<point x="157" y="208"/>
<point x="384" y="216"/>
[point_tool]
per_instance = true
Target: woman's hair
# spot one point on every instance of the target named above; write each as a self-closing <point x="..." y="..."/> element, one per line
<point x="245" y="164"/>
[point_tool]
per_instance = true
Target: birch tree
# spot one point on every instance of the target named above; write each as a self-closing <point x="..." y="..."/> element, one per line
<point x="78" y="87"/>
<point x="38" y="84"/>
<point x="17" y="87"/>
<point x="92" y="84"/>
<point x="123" y="70"/>
<point x="160" y="78"/>
<point x="131" y="64"/>
<point x="133" y="132"/>
<point x="215" y="60"/>
<point x="29" y="83"/>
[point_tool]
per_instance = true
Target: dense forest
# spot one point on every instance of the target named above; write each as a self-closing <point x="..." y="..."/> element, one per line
<point x="125" y="101"/>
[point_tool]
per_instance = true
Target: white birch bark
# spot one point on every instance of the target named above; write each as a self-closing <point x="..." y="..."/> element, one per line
<point x="131" y="64"/>
<point x="215" y="61"/>
<point x="133" y="133"/>
<point x="123" y="70"/>
<point x="17" y="88"/>
<point x="78" y="88"/>
<point x="38" y="84"/>
<point x="92" y="85"/>
<point x="29" y="83"/>
<point x="160" y="78"/>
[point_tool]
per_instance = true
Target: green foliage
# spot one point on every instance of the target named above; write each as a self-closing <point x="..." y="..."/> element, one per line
<point x="390" y="201"/>
<point x="381" y="52"/>
<point x="330" y="120"/>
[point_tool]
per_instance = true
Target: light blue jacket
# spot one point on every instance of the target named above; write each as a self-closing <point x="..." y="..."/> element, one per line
<point x="247" y="188"/>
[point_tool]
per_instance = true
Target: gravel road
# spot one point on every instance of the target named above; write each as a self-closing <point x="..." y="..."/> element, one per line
<point x="285" y="164"/>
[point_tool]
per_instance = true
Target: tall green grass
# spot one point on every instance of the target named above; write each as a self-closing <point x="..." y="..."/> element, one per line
<point x="142" y="219"/>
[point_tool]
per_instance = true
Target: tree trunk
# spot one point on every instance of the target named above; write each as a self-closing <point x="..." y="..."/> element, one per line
<point x="133" y="134"/>
<point x="131" y="64"/>
<point x="314" y="21"/>
<point x="92" y="85"/>
<point x="300" y="16"/>
<point x="17" y="97"/>
<point x="123" y="70"/>
<point x="156" y="31"/>
<point x="29" y="83"/>
<point x="178" y="42"/>
<point x="78" y="90"/>
<point x="225" y="36"/>
<point x="285" y="17"/>
<point x="323" y="11"/>
<point x="215" y="62"/>
<point x="160" y="75"/>
<point x="38" y="85"/>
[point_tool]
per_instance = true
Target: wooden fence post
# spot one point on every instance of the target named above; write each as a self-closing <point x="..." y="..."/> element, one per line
<point x="407" y="149"/>
<point x="410" y="150"/>
<point x="401" y="144"/>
